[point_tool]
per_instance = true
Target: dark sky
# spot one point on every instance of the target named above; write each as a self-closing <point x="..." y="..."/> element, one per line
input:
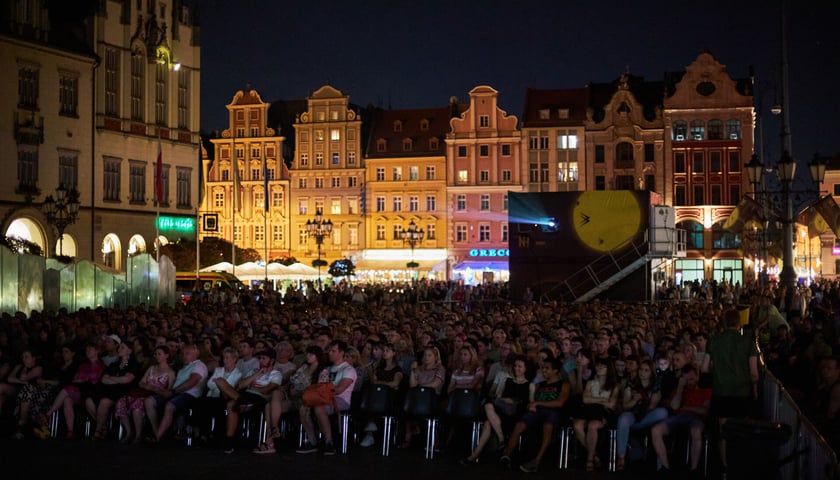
<point x="417" y="54"/>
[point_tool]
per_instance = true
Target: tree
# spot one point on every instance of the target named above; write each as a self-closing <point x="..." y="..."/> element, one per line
<point x="212" y="251"/>
<point x="343" y="267"/>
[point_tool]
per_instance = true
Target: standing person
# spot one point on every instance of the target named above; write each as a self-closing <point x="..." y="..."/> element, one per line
<point x="732" y="359"/>
<point x="343" y="376"/>
<point x="188" y="385"/>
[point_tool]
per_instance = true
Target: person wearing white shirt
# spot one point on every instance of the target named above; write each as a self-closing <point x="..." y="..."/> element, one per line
<point x="189" y="385"/>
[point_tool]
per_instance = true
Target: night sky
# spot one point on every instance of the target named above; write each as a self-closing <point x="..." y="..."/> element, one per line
<point x="418" y="54"/>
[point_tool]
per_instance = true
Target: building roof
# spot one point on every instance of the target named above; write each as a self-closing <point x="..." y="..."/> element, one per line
<point x="648" y="94"/>
<point x="418" y="125"/>
<point x="555" y="101"/>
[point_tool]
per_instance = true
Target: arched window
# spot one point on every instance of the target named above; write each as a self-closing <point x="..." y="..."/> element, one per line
<point x="693" y="234"/>
<point x="733" y="129"/>
<point x="715" y="130"/>
<point x="679" y="130"/>
<point x="624" y="155"/>
<point x="698" y="130"/>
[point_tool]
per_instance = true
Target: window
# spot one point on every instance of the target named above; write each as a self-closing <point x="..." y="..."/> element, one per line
<point x="277" y="233"/>
<point x="380" y="231"/>
<point x="161" y="70"/>
<point x="649" y="155"/>
<point x="380" y="203"/>
<point x="68" y="95"/>
<point x="304" y="159"/>
<point x="137" y="182"/>
<point x="237" y="233"/>
<point x="567" y="140"/>
<point x="397" y="126"/>
<point x="112" y="82"/>
<point x="335" y="206"/>
<point x="533" y="173"/>
<point x="68" y="168"/>
<point x="111" y="179"/>
<point x="431" y="203"/>
<point x="183" y="181"/>
<point x="336" y="182"/>
<point x="413" y="203"/>
<point x="397" y="229"/>
<point x="697" y="163"/>
<point x="505" y="202"/>
<point x="434" y="144"/>
<point x="716" y="195"/>
<point x="27" y="167"/>
<point x="506" y="150"/>
<point x="259" y="233"/>
<point x="484" y="121"/>
<point x="461" y="202"/>
<point x="484" y="150"/>
<point x="333" y="115"/>
<point x="463" y="176"/>
<point x="734" y="194"/>
<point x="414" y="173"/>
<point x="255" y="151"/>
<point x="715" y="130"/>
<point x="303" y="206"/>
<point x="484" y="233"/>
<point x="600" y="182"/>
<point x="396" y="173"/>
<point x="715" y="164"/>
<point x="319" y="135"/>
<point x="733" y="129"/>
<point x="625" y="182"/>
<point x="352" y="206"/>
<point x="485" y="201"/>
<point x="218" y="199"/>
<point x="424" y="124"/>
<point x="694" y="234"/>
<point x="462" y="150"/>
<point x="353" y="235"/>
<point x="335" y="134"/>
<point x="380" y="174"/>
<point x="352" y="181"/>
<point x="304" y="137"/>
<point x="679" y="162"/>
<point x="567" y="172"/>
<point x="734" y="161"/>
<point x="460" y="233"/>
<point x="28" y="87"/>
<point x="506" y="177"/>
<point x="277" y="200"/>
<point x="302" y="183"/>
<point x="255" y="131"/>
<point x="600" y="155"/>
<point x="624" y="155"/>
<point x="397" y="202"/>
<point x="679" y="131"/>
<point x="544" y="113"/>
<point x="351" y="158"/>
<point x="698" y="130"/>
<point x="381" y="145"/>
<point x="679" y="196"/>
<point x="407" y="145"/>
<point x="226" y="175"/>
<point x="543" y="140"/>
<point x="335" y="160"/>
<point x="240" y="151"/>
<point x="319" y="158"/>
<point x="319" y="182"/>
<point x="183" y="98"/>
<point x="303" y="237"/>
<point x="431" y="231"/>
<point x="484" y="176"/>
<point x="430" y="172"/>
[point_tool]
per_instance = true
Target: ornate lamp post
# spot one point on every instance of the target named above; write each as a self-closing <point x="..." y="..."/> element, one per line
<point x="785" y="170"/>
<point x="319" y="229"/>
<point x="61" y="211"/>
<point x="412" y="236"/>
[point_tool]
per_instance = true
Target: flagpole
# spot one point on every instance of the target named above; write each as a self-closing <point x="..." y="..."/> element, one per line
<point x="265" y="211"/>
<point x="235" y="163"/>
<point x="158" y="198"/>
<point x="198" y="216"/>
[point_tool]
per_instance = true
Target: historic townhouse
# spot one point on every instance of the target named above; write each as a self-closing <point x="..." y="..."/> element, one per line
<point x="483" y="164"/>
<point x="553" y="139"/>
<point x="99" y="128"/>
<point x="248" y="183"/>
<point x="327" y="175"/>
<point x="406" y="184"/>
<point x="708" y="121"/>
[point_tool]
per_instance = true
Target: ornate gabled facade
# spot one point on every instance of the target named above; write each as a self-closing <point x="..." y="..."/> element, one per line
<point x="100" y="127"/>
<point x="406" y="182"/>
<point x="624" y="147"/>
<point x="327" y="175"/>
<point x="483" y="158"/>
<point x="553" y="139"/>
<point x="708" y="137"/>
<point x="242" y="209"/>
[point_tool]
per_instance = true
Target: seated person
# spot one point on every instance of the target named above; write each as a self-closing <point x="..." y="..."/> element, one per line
<point x="188" y="385"/>
<point x="258" y="389"/>
<point x="87" y="375"/>
<point x="221" y="390"/>
<point x="550" y="396"/>
<point x="343" y="376"/>
<point x="689" y="405"/>
<point x="119" y="378"/>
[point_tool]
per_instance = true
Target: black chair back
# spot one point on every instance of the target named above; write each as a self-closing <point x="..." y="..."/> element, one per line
<point x="378" y="400"/>
<point x="464" y="403"/>
<point x="421" y="402"/>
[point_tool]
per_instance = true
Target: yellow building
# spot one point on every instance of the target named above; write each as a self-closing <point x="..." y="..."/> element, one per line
<point x="249" y="149"/>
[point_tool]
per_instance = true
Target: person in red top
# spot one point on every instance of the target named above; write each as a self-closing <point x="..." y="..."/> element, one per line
<point x="689" y="405"/>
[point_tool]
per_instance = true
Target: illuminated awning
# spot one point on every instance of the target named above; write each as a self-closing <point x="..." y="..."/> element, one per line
<point x="399" y="264"/>
<point x="479" y="265"/>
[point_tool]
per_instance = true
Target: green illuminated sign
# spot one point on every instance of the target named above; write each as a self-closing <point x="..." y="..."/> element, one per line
<point x="178" y="224"/>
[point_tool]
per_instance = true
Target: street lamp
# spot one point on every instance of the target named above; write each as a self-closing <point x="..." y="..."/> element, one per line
<point x="61" y="211"/>
<point x="785" y="171"/>
<point x="412" y="236"/>
<point x="318" y="229"/>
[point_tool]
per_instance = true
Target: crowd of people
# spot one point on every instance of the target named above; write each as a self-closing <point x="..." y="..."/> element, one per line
<point x="674" y="368"/>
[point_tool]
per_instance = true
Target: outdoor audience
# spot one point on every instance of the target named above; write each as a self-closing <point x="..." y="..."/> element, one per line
<point x="670" y="369"/>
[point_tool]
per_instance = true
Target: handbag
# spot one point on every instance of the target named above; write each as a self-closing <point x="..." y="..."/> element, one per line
<point x="318" y="394"/>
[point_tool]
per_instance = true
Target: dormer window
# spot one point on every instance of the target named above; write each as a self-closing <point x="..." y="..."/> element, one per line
<point x="381" y="145"/>
<point x="544" y="114"/>
<point x="433" y="144"/>
<point x="624" y="109"/>
<point x="407" y="145"/>
<point x="563" y="113"/>
<point x="398" y="126"/>
<point x="424" y="124"/>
